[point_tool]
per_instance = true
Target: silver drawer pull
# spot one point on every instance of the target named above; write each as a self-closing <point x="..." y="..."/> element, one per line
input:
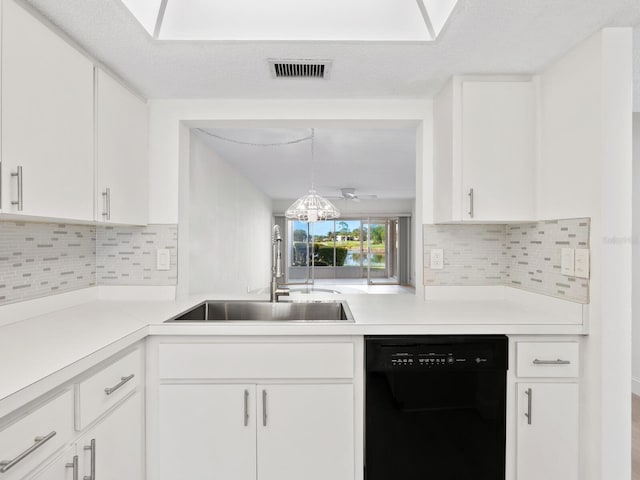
<point x="471" y="209"/>
<point x="92" y="448"/>
<point x="106" y="197"/>
<point x="74" y="465"/>
<point x="246" y="408"/>
<point x="123" y="380"/>
<point x="6" y="465"/>
<point x="18" y="174"/>
<point x="551" y="362"/>
<point x="264" y="408"/>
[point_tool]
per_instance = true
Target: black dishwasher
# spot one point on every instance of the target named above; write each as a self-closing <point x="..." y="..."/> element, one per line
<point x="435" y="407"/>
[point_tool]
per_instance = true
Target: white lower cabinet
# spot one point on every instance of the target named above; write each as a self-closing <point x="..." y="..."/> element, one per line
<point x="39" y="441"/>
<point x="305" y="431"/>
<point x="547" y="409"/>
<point x="207" y="430"/>
<point x="63" y="467"/>
<point x="547" y="431"/>
<point x="275" y="417"/>
<point x="114" y="448"/>
<point x="32" y="435"/>
<point x="264" y="431"/>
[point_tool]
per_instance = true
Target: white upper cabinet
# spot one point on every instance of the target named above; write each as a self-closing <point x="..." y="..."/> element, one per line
<point x="485" y="151"/>
<point x="122" y="163"/>
<point x="47" y="121"/>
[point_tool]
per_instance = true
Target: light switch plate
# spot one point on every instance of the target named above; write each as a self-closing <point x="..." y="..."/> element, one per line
<point x="437" y="259"/>
<point x="582" y="262"/>
<point x="567" y="262"/>
<point x="163" y="259"/>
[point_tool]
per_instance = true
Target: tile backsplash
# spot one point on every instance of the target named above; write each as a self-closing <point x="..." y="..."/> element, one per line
<point x="473" y="254"/>
<point x="127" y="255"/>
<point x="40" y="259"/>
<point x="534" y="257"/>
<point x="524" y="256"/>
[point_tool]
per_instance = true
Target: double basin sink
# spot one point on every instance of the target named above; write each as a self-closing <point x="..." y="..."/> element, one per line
<point x="263" y="311"/>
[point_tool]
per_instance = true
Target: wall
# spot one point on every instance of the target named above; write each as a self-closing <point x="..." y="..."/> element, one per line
<point x="229" y="227"/>
<point x="584" y="170"/>
<point x="171" y="120"/>
<point x="525" y="256"/>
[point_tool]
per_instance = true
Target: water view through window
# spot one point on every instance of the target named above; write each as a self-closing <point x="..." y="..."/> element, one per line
<point x="342" y="248"/>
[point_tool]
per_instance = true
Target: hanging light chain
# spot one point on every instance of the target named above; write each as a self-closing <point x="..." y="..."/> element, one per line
<point x="308" y="208"/>
<point x="313" y="159"/>
<point x="257" y="144"/>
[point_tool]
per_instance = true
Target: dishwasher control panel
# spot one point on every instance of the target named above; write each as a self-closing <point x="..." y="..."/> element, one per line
<point x="423" y="359"/>
<point x="433" y="357"/>
<point x="417" y="358"/>
<point x="436" y="353"/>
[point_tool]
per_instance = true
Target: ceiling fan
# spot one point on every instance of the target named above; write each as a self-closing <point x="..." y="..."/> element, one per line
<point x="349" y="193"/>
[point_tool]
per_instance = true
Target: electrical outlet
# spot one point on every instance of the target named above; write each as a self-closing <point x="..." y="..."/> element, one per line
<point x="437" y="259"/>
<point x="582" y="262"/>
<point x="567" y="262"/>
<point x="163" y="259"/>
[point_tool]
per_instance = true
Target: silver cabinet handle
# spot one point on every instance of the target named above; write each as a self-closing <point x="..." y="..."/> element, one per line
<point x="18" y="202"/>
<point x="246" y="408"/>
<point x="123" y="380"/>
<point x="92" y="447"/>
<point x="264" y="408"/>
<point x="551" y="362"/>
<point x="74" y="465"/>
<point x="470" y="202"/>
<point x="106" y="197"/>
<point x="529" y="394"/>
<point x="6" y="465"/>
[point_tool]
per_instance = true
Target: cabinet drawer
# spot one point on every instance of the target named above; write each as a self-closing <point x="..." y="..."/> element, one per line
<point x="52" y="423"/>
<point x="256" y="360"/>
<point x="547" y="359"/>
<point x="96" y="394"/>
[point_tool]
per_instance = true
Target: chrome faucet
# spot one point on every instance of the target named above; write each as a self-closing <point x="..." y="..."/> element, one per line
<point x="276" y="265"/>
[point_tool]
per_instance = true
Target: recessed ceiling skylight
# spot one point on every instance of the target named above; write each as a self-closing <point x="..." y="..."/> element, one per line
<point x="293" y="20"/>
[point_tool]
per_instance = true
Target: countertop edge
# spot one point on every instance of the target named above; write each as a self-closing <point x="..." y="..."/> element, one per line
<point x="138" y="320"/>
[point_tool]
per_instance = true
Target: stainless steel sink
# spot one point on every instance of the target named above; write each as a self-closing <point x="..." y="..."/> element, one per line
<point x="257" y="311"/>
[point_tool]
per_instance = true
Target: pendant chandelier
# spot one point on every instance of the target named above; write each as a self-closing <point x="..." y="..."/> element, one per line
<point x="312" y="207"/>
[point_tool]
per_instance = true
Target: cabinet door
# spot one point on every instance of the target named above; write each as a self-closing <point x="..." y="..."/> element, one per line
<point x="118" y="444"/>
<point x="305" y="431"/>
<point x="547" y="431"/>
<point x="207" y="431"/>
<point x="121" y="136"/>
<point x="498" y="151"/>
<point x="47" y="120"/>
<point x="62" y="468"/>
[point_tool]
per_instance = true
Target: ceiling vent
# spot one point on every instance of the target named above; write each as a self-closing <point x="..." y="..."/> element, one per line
<point x="281" y="68"/>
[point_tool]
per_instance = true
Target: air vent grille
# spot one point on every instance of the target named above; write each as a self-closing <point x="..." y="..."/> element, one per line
<point x="318" y="69"/>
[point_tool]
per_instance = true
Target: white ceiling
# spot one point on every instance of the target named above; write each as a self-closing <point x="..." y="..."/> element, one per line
<point x="375" y="161"/>
<point x="483" y="36"/>
<point x="260" y="20"/>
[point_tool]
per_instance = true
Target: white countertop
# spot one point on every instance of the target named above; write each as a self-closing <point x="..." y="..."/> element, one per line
<point x="37" y="348"/>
